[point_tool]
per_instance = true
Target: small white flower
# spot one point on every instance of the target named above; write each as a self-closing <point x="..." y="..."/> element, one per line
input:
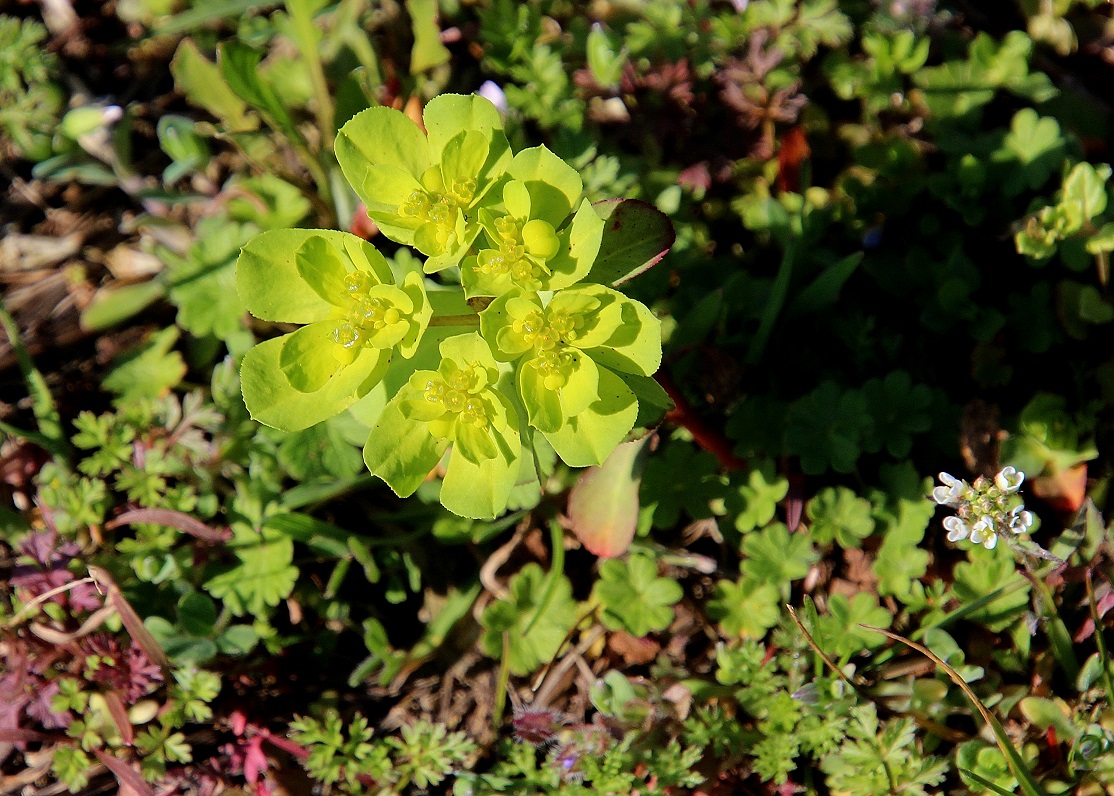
<point x="957" y="529"/>
<point x="948" y="495"/>
<point x="1009" y="480"/>
<point x="982" y="532"/>
<point x="1020" y="520"/>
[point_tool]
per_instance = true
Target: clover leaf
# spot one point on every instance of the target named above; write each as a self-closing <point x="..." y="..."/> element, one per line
<point x="825" y="428"/>
<point x="899" y="410"/>
<point x="755" y="502"/>
<point x="514" y="616"/>
<point x="681" y="478"/>
<point x="633" y="597"/>
<point x="1033" y="150"/>
<point x="342" y="289"/>
<point x="744" y="609"/>
<point x="460" y="404"/>
<point x="775" y="556"/>
<point x="420" y="189"/>
<point x="838" y="514"/>
<point x="840" y="633"/>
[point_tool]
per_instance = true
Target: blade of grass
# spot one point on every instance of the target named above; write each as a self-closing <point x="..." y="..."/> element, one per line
<point x="961" y="612"/>
<point x="52" y="436"/>
<point x="1029" y="786"/>
<point x="984" y="782"/>
<point x="306" y="38"/>
<point x="824" y="656"/>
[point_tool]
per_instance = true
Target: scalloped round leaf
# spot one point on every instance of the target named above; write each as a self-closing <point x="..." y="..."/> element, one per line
<point x="447" y="114"/>
<point x="310" y="358"/>
<point x="272" y="401"/>
<point x="381" y="137"/>
<point x="480" y="491"/>
<point x="401" y="451"/>
<point x="321" y="268"/>
<point x="555" y="186"/>
<point x="635" y="347"/>
<point x="636" y="236"/>
<point x="589" y="438"/>
<point x="580" y="246"/>
<point x="268" y="279"/>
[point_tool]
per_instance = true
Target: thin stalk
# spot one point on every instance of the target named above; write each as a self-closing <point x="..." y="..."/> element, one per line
<point x="1057" y="632"/>
<point x="1029" y="786"/>
<point x="1099" y="641"/>
<point x="501" y="686"/>
<point x="306" y="38"/>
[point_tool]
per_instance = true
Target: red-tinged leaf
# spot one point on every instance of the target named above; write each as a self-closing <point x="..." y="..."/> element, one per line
<point x="127" y="775"/>
<point x="603" y="505"/>
<point x="18" y="735"/>
<point x="1064" y="491"/>
<point x="172" y="519"/>
<point x="636" y="236"/>
<point x="793" y="152"/>
<point x="119" y="714"/>
<point x="255" y="762"/>
<point x="130" y="619"/>
<point x="795" y="501"/>
<point x="362" y="226"/>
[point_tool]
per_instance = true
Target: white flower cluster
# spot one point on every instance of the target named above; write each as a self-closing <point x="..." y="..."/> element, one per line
<point x="985" y="509"/>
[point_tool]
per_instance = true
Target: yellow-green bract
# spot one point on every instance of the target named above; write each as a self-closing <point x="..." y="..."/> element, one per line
<point x="553" y="352"/>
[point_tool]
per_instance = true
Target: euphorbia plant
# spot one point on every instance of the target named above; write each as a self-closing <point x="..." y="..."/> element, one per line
<point x="529" y="341"/>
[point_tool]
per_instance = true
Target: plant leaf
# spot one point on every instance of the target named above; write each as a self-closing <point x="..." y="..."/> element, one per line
<point x="636" y="235"/>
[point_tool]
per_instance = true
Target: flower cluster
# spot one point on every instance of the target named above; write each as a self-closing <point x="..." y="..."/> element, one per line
<point x="985" y="509"/>
<point x="528" y="342"/>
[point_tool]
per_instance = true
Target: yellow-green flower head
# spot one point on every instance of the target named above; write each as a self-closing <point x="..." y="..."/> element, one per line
<point x="421" y="189"/>
<point x="355" y="317"/>
<point x="460" y="404"/>
<point x="572" y="351"/>
<point x="534" y="241"/>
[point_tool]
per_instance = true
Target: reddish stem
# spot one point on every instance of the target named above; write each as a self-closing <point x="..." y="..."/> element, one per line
<point x="706" y="437"/>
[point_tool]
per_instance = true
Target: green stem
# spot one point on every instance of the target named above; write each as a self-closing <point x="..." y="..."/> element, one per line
<point x="501" y="686"/>
<point x="307" y="42"/>
<point x="1055" y="629"/>
<point x="51" y="435"/>
<point x="471" y="319"/>
<point x="1103" y="660"/>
